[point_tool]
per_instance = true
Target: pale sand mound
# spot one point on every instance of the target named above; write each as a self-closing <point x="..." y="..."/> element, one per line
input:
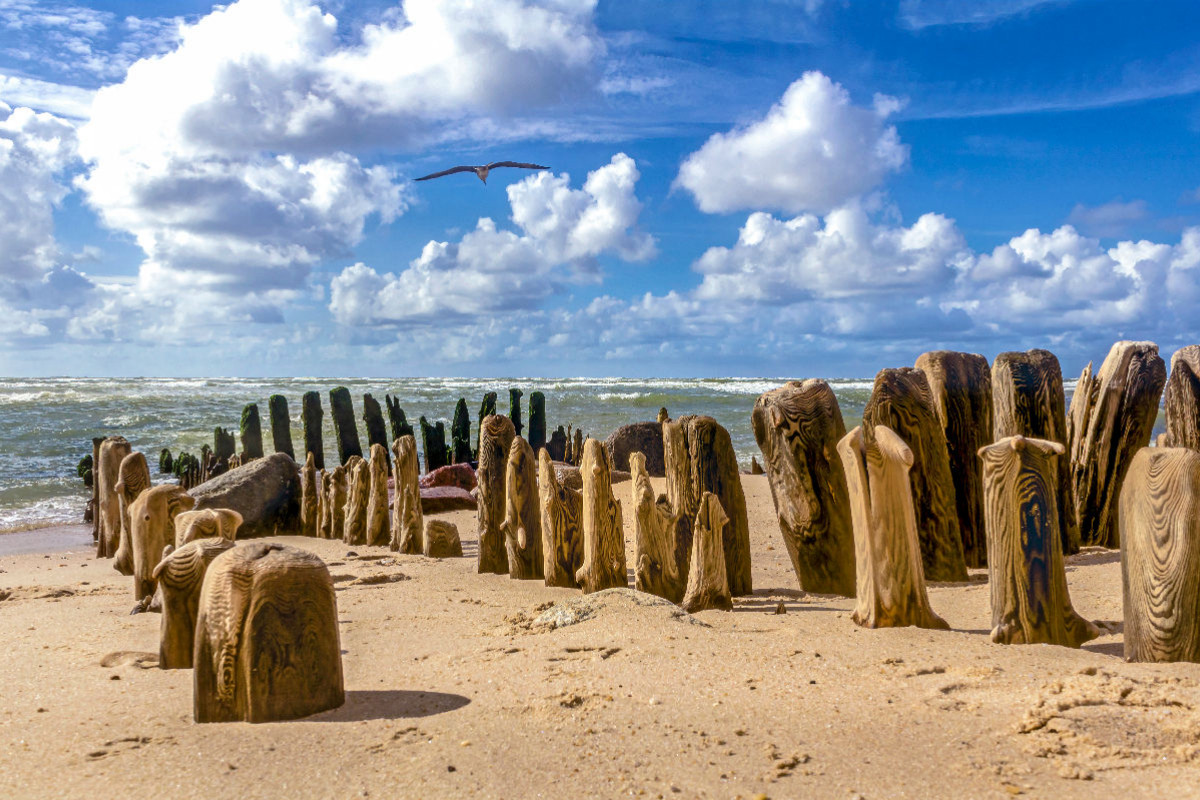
<point x="468" y="685"/>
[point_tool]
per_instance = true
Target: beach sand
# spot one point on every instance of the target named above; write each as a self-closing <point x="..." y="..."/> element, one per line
<point x="453" y="692"/>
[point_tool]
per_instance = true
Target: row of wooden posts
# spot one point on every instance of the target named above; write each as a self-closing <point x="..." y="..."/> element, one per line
<point x="958" y="464"/>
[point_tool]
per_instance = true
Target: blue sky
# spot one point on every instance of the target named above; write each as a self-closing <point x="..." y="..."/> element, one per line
<point x="783" y="187"/>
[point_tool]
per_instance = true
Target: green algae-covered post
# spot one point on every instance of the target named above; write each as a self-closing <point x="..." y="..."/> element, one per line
<point x="224" y="445"/>
<point x="486" y="409"/>
<point x="433" y="440"/>
<point x="342" y="408"/>
<point x="251" y="431"/>
<point x="310" y="411"/>
<point x="396" y="418"/>
<point x="439" y="437"/>
<point x="537" y="421"/>
<point x="514" y="408"/>
<point x="460" y="433"/>
<point x="281" y="424"/>
<point x="166" y="464"/>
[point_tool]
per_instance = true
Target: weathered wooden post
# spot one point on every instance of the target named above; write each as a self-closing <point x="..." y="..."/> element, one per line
<point x="433" y="437"/>
<point x="460" y="433"/>
<point x="224" y="445"/>
<point x="960" y="386"/>
<point x="308" y="497"/>
<point x="281" y="424"/>
<point x="708" y="584"/>
<point x="376" y="430"/>
<point x="1160" y="555"/>
<point x="797" y="427"/>
<point x="891" y="580"/>
<point x="407" y="519"/>
<point x="654" y="566"/>
<point x="522" y="525"/>
<point x="96" y="442"/>
<point x="562" y="534"/>
<point x="495" y="437"/>
<point x="557" y="446"/>
<point x="378" y="531"/>
<point x="133" y="478"/>
<point x="180" y="576"/>
<point x="514" y="409"/>
<point x="107" y="474"/>
<point x="486" y="409"/>
<point x="310" y="410"/>
<point x="537" y="421"/>
<point x="1028" y="400"/>
<point x="358" y="486"/>
<point x="901" y="401"/>
<point x="1112" y="417"/>
<point x="603" y="532"/>
<point x="251" y="431"/>
<point x="682" y="500"/>
<point x="1030" y="601"/>
<point x="344" y="431"/>
<point x="1182" y="399"/>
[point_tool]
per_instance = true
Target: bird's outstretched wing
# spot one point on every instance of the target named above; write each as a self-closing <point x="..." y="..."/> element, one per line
<point x="518" y="164"/>
<point x="450" y="171"/>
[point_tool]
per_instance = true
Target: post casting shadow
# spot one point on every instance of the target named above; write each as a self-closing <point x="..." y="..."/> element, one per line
<point x="391" y="704"/>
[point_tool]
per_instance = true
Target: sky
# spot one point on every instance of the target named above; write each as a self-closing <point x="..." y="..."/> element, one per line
<point x="763" y="188"/>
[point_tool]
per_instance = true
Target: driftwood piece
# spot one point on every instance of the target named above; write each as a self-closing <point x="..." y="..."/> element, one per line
<point x="378" y="531"/>
<point x="251" y="431"/>
<point x="406" y="506"/>
<point x="522" y="525"/>
<point x="358" y="490"/>
<point x="890" y="576"/>
<point x="107" y="474"/>
<point x="495" y="438"/>
<point x="133" y="478"/>
<point x="206" y="523"/>
<point x="281" y="424"/>
<point x="308" y="497"/>
<point x="311" y="414"/>
<point x="1182" y="399"/>
<point x="562" y="532"/>
<point x="1114" y="419"/>
<point x="603" y="533"/>
<point x="654" y="569"/>
<point x="180" y="576"/>
<point x="682" y="501"/>
<point x="901" y="402"/>
<point x="708" y="583"/>
<point x="1160" y="555"/>
<point x="267" y="645"/>
<point x="797" y="427"/>
<point x="1028" y="400"/>
<point x="441" y="540"/>
<point x="960" y="386"/>
<point x="152" y="528"/>
<point x="344" y="430"/>
<point x="1030" y="600"/>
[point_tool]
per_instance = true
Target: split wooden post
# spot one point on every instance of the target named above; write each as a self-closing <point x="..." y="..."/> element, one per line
<point x="708" y="582"/>
<point x="378" y="531"/>
<point x="891" y="578"/>
<point x="714" y="468"/>
<point x="654" y="569"/>
<point x="376" y="430"/>
<point x="495" y="437"/>
<point x="1028" y="400"/>
<point x="603" y="533"/>
<point x="460" y="433"/>
<point x="1160" y="555"/>
<point x="396" y="419"/>
<point x="407" y="519"/>
<point x="514" y="409"/>
<point x="522" y="525"/>
<point x="132" y="479"/>
<point x="339" y="490"/>
<point x="1030" y="600"/>
<point x="684" y="503"/>
<point x="562" y="519"/>
<point x="1182" y="399"/>
<point x="797" y="427"/>
<point x="107" y="472"/>
<point x="901" y="402"/>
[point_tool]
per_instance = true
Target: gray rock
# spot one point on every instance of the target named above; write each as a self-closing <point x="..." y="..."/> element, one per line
<point x="640" y="437"/>
<point x="441" y="539"/>
<point x="266" y="492"/>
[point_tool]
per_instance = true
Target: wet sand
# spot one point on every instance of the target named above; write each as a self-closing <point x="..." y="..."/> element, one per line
<point x="454" y="690"/>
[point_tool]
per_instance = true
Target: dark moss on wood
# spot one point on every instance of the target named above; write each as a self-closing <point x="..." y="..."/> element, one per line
<point x="344" y="430"/>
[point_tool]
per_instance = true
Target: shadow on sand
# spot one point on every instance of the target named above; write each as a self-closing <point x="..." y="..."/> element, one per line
<point x="391" y="704"/>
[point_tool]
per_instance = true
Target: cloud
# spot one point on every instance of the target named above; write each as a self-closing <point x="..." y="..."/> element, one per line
<point x="813" y="151"/>
<point x="490" y="271"/>
<point x="1111" y="219"/>
<point x="919" y="14"/>
<point x="71" y="102"/>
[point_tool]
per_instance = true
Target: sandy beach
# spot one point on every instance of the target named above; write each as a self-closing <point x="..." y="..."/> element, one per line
<point x="454" y="689"/>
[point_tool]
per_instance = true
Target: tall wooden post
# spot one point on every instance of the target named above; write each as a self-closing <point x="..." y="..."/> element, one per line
<point x="603" y="533"/>
<point x="312" y="415"/>
<point x="562" y="532"/>
<point x="537" y="421"/>
<point x="495" y="437"/>
<point x="376" y="430"/>
<point x="522" y="525"/>
<point x="460" y="433"/>
<point x="1182" y="399"/>
<point x="281" y="424"/>
<point x="251" y="431"/>
<point x="344" y="430"/>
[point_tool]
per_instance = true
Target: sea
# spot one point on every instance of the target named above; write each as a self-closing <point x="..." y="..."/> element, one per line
<point x="47" y="424"/>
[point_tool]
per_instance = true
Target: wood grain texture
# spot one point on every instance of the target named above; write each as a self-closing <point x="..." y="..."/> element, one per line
<point x="683" y="502"/>
<point x="496" y="434"/>
<point x="358" y="484"/>
<point x="339" y="489"/>
<point x="890" y="575"/>
<point x="407" y="519"/>
<point x="267" y="645"/>
<point x="1182" y="399"/>
<point x="308" y="497"/>
<point x="901" y="402"/>
<point x="133" y="478"/>
<point x="206" y="523"/>
<point x="654" y="570"/>
<point x="797" y="427"/>
<point x="708" y="579"/>
<point x="1160" y="555"/>
<point x="1114" y="422"/>
<point x="378" y="531"/>
<point x="562" y="526"/>
<point x="714" y="469"/>
<point x="960" y="385"/>
<point x="152" y="528"/>
<point x="603" y="532"/>
<point x="1028" y="400"/>
<point x="180" y="576"/>
<point x="522" y="525"/>
<point x="106" y="472"/>
<point x="1030" y="600"/>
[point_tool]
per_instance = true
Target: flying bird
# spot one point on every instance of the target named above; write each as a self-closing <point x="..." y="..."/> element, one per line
<point x="482" y="171"/>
